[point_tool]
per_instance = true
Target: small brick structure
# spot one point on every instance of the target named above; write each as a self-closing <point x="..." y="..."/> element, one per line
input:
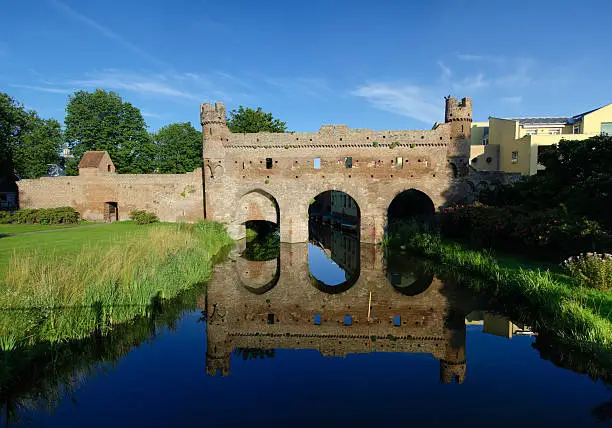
<point x="275" y="176"/>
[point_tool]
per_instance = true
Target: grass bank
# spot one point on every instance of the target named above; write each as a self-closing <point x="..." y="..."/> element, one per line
<point x="577" y="316"/>
<point x="9" y="229"/>
<point x="99" y="277"/>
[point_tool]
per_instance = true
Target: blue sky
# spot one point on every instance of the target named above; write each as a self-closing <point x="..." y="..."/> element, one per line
<point x="381" y="65"/>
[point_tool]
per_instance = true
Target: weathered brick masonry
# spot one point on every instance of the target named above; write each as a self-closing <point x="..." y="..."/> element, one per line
<point x="173" y="197"/>
<point x="269" y="176"/>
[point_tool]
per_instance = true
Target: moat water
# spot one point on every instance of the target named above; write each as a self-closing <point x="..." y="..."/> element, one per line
<point x="329" y="333"/>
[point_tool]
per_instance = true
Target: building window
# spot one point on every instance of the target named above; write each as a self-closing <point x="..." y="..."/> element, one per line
<point x="317" y="163"/>
<point x="531" y="132"/>
<point x="268" y="163"/>
<point x="317" y="319"/>
<point x="489" y="159"/>
<point x="399" y="162"/>
<point x="554" y="131"/>
<point x="606" y="128"/>
<point x="348" y="162"/>
<point x="270" y="318"/>
<point x="514" y="157"/>
<point x="577" y="129"/>
<point x="348" y="320"/>
<point x="397" y="320"/>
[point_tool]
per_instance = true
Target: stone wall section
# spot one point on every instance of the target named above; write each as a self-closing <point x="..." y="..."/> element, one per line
<point x="173" y="197"/>
<point x="282" y="167"/>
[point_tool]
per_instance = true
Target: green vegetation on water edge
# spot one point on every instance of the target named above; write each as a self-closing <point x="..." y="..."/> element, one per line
<point x="575" y="315"/>
<point x="110" y="273"/>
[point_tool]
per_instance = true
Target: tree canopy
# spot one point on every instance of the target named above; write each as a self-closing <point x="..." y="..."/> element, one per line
<point x="28" y="143"/>
<point x="178" y="148"/>
<point x="101" y="120"/>
<point x="247" y="120"/>
<point x="578" y="175"/>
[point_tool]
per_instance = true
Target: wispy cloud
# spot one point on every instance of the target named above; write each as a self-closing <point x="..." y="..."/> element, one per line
<point x="309" y="86"/>
<point x="484" y="58"/>
<point x="141" y="83"/>
<point x="406" y="100"/>
<point x="446" y="71"/>
<point x="517" y="99"/>
<point x="52" y="90"/>
<point x="106" y="32"/>
<point x="149" y="114"/>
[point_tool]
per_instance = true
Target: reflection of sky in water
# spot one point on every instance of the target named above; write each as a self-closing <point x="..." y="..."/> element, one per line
<point x="323" y="268"/>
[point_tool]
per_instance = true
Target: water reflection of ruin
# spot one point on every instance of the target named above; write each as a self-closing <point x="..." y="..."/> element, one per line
<point x="276" y="304"/>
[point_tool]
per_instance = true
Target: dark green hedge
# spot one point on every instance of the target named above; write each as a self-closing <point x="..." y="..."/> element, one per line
<point x="60" y="215"/>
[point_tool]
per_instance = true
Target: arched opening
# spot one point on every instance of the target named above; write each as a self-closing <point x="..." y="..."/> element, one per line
<point x="333" y="248"/>
<point x="258" y="218"/>
<point x="410" y="206"/>
<point x="409" y="276"/>
<point x="259" y="265"/>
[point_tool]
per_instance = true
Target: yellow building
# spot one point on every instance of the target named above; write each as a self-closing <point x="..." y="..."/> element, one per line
<point x="513" y="145"/>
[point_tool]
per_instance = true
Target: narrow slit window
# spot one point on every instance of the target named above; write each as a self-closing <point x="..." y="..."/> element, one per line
<point x="317" y="319"/>
<point x="268" y="163"/>
<point x="515" y="157"/>
<point x="270" y="318"/>
<point x="348" y="162"/>
<point x="317" y="163"/>
<point x="399" y="162"/>
<point x="397" y="320"/>
<point x="348" y="320"/>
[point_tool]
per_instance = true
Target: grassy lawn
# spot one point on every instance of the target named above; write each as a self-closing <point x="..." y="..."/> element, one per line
<point x="8" y="229"/>
<point x="65" y="284"/>
<point x="64" y="242"/>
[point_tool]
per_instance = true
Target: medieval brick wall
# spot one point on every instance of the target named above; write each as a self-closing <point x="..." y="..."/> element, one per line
<point x="290" y="169"/>
<point x="173" y="197"/>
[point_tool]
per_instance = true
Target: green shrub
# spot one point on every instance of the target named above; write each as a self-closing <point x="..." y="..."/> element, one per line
<point x="5" y="217"/>
<point x="143" y="217"/>
<point x="591" y="269"/>
<point x="59" y="215"/>
<point x="551" y="232"/>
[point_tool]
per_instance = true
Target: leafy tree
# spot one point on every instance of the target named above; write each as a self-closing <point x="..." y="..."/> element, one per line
<point x="38" y="146"/>
<point x="27" y="142"/>
<point x="247" y="120"/>
<point x="13" y="119"/>
<point x="178" y="148"/>
<point x="101" y="120"/>
<point x="578" y="175"/>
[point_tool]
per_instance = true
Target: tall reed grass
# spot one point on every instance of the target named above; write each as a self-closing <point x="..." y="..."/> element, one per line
<point x="574" y="314"/>
<point x="52" y="295"/>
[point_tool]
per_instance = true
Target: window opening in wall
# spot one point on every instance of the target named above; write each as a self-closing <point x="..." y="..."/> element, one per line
<point x="576" y="129"/>
<point x="531" y="132"/>
<point x="348" y="162"/>
<point x="268" y="163"/>
<point x="397" y="320"/>
<point x="348" y="320"/>
<point x="108" y="168"/>
<point x="606" y="128"/>
<point x="554" y="131"/>
<point x="270" y="318"/>
<point x="515" y="157"/>
<point x="399" y="162"/>
<point x="317" y="163"/>
<point x="317" y="319"/>
<point x="489" y="159"/>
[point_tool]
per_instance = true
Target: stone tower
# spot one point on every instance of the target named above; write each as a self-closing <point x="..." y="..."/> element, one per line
<point x="459" y="115"/>
<point x="214" y="130"/>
